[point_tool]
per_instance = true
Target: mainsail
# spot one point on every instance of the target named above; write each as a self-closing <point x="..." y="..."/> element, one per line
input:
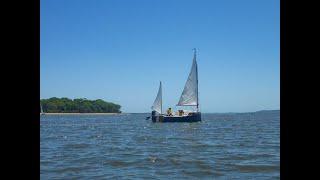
<point x="157" y="104"/>
<point x="189" y="96"/>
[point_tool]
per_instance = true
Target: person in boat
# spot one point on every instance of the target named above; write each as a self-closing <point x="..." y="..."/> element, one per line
<point x="169" y="112"/>
<point x="181" y="112"/>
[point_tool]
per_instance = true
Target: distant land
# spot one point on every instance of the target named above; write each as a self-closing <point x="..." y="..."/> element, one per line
<point x="79" y="105"/>
<point x="260" y="111"/>
<point x="267" y="111"/>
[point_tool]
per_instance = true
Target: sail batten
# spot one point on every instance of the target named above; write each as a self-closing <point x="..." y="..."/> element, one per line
<point x="157" y="104"/>
<point x="189" y="96"/>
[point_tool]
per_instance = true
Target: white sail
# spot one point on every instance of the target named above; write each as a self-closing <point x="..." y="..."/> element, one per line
<point x="157" y="104"/>
<point x="189" y="96"/>
<point x="41" y="109"/>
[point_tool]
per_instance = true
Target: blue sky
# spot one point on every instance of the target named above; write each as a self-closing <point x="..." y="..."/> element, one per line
<point x="119" y="50"/>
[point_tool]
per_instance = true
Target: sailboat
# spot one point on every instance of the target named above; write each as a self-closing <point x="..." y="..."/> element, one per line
<point x="189" y="97"/>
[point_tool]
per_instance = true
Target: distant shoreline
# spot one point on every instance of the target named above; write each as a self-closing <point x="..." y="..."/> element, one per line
<point x="81" y="113"/>
<point x="261" y="111"/>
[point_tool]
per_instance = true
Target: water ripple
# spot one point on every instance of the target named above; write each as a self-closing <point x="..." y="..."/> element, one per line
<point x="226" y="146"/>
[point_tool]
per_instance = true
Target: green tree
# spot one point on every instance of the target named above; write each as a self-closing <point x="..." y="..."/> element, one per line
<point x="79" y="105"/>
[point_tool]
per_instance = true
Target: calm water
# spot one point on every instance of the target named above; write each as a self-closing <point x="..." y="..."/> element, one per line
<point x="222" y="146"/>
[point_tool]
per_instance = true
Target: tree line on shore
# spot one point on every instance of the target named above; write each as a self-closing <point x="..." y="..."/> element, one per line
<point x="80" y="105"/>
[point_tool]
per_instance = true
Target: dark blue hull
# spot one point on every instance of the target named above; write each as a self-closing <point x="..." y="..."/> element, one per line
<point x="194" y="117"/>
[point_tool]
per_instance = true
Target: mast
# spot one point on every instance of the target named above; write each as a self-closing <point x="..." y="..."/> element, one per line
<point x="195" y="57"/>
<point x="161" y="98"/>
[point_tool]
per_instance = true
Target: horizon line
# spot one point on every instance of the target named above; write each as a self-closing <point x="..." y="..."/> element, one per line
<point x="207" y="112"/>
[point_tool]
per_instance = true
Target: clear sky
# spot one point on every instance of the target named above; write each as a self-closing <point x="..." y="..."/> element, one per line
<point x="119" y="50"/>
